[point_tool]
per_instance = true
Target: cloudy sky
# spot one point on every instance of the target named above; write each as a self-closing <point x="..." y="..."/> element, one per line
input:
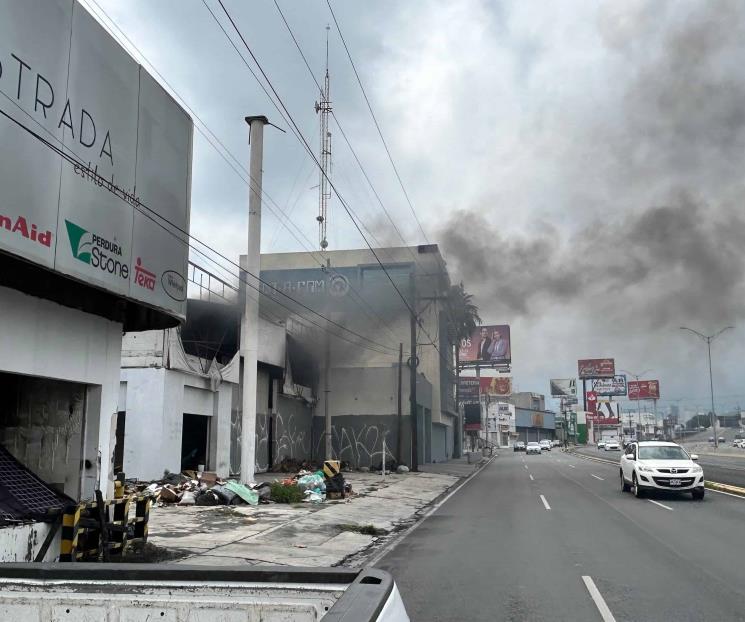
<point x="580" y="164"/>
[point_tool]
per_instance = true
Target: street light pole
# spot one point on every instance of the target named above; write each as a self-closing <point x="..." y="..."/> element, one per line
<point x="708" y="339"/>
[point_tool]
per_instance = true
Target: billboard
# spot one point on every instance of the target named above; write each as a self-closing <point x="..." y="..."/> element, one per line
<point x="472" y="417"/>
<point x="563" y="387"/>
<point x="488" y="344"/>
<point x="607" y="413"/>
<point x="644" y="389"/>
<point x="468" y="390"/>
<point x="496" y="386"/>
<point x="592" y="401"/>
<point x="596" y="368"/>
<point x="95" y="218"/>
<point x="610" y="386"/>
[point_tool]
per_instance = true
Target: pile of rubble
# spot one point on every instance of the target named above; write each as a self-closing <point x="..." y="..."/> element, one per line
<point x="205" y="488"/>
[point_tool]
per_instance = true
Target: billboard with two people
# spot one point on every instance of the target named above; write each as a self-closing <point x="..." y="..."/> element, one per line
<point x="487" y="344"/>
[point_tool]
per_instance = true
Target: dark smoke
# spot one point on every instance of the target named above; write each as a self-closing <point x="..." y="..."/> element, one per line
<point x="663" y="164"/>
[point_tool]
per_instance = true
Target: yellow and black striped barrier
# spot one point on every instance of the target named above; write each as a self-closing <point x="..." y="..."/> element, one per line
<point x="95" y="529"/>
<point x="331" y="468"/>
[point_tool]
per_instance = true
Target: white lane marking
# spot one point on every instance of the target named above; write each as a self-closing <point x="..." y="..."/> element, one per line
<point x="545" y="503"/>
<point x="571" y="466"/>
<point x="596" y="477"/>
<point x="598" y="599"/>
<point x="662" y="505"/>
<point x="526" y="466"/>
<point x="532" y="479"/>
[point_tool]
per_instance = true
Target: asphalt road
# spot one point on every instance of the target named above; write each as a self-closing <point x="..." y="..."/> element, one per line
<point x="495" y="551"/>
<point x="722" y="469"/>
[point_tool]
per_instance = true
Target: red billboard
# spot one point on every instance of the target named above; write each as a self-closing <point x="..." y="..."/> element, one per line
<point x="496" y="386"/>
<point x="607" y="413"/>
<point x="644" y="389"/>
<point x="592" y="401"/>
<point x="487" y="344"/>
<point x="596" y="368"/>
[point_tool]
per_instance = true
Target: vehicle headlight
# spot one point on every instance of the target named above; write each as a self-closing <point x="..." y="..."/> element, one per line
<point x="696" y="469"/>
<point x="645" y="468"/>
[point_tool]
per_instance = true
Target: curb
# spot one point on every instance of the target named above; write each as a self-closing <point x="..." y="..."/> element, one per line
<point x="718" y="486"/>
<point x="729" y="489"/>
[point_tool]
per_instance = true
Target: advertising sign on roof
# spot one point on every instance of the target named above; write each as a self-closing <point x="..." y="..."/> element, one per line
<point x="113" y="211"/>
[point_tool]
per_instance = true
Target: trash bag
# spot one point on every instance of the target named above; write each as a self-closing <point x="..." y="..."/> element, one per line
<point x="187" y="498"/>
<point x="226" y="496"/>
<point x="314" y="496"/>
<point x="335" y="483"/>
<point x="208" y="497"/>
<point x="312" y="481"/>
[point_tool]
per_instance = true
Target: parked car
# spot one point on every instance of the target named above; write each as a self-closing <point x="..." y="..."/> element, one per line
<point x="545" y="444"/>
<point x="518" y="446"/>
<point x="612" y="446"/>
<point x="722" y="439"/>
<point x="556" y="443"/>
<point x="601" y="443"/>
<point x="655" y="465"/>
<point x="533" y="448"/>
<point x="711" y="439"/>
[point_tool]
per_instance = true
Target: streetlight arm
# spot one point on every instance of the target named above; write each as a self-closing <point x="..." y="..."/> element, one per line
<point x="695" y="332"/>
<point x="714" y="336"/>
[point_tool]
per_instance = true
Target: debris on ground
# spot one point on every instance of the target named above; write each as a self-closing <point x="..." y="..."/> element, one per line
<point x="368" y="530"/>
<point x="205" y="488"/>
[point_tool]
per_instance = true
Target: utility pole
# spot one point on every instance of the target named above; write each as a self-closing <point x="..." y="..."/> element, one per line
<point x="638" y="403"/>
<point x="329" y="450"/>
<point x="412" y="378"/>
<point x="250" y="320"/>
<point x="400" y="445"/>
<point x="708" y="339"/>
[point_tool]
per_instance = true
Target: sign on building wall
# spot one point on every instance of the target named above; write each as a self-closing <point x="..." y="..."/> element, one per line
<point x="468" y="390"/>
<point x="610" y="386"/>
<point x="114" y="213"/>
<point x="488" y="344"/>
<point x="596" y="368"/>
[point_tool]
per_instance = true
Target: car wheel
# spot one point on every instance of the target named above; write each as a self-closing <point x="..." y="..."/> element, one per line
<point x="638" y="492"/>
<point x="624" y="484"/>
<point x="698" y="493"/>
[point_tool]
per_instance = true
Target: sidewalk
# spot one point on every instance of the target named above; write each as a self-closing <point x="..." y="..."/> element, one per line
<point x="303" y="534"/>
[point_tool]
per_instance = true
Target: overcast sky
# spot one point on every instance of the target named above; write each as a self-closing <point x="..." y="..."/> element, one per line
<point x="579" y="163"/>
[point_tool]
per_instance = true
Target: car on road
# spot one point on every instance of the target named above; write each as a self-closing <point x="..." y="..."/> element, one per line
<point x="518" y="446"/>
<point x="601" y="443"/>
<point x="533" y="448"/>
<point x="711" y="439"/>
<point x="545" y="444"/>
<point x="722" y="439"/>
<point x="657" y="465"/>
<point x="738" y="442"/>
<point x="612" y="446"/>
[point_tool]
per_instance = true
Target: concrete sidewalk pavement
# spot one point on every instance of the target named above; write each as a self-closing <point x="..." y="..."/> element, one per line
<point x="304" y="534"/>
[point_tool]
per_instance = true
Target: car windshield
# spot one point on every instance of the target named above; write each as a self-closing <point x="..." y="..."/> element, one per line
<point x="662" y="452"/>
<point x="532" y="444"/>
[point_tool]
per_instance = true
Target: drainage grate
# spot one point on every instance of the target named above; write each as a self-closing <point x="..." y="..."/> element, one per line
<point x="23" y="495"/>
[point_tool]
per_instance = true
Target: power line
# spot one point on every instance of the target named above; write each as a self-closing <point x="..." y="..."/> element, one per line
<point x="300" y="137"/>
<point x="205" y="132"/>
<point x="115" y="190"/>
<point x="377" y="125"/>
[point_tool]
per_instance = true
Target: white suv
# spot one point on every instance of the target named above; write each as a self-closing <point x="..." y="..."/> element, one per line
<point x="654" y="465"/>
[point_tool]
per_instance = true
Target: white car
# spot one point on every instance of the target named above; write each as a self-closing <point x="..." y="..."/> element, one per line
<point x="657" y="465"/>
<point x="545" y="444"/>
<point x="612" y="446"/>
<point x="601" y="444"/>
<point x="533" y="448"/>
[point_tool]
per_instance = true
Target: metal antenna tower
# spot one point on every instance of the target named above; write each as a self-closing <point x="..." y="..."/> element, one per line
<point x="323" y="107"/>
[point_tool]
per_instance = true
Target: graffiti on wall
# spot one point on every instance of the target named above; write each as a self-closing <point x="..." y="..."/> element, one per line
<point x="359" y="445"/>
<point x="291" y="439"/>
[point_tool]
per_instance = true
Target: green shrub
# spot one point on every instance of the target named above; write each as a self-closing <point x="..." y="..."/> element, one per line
<point x="286" y="494"/>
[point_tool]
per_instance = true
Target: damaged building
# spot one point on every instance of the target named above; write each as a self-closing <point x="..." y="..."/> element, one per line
<point x="79" y="265"/>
